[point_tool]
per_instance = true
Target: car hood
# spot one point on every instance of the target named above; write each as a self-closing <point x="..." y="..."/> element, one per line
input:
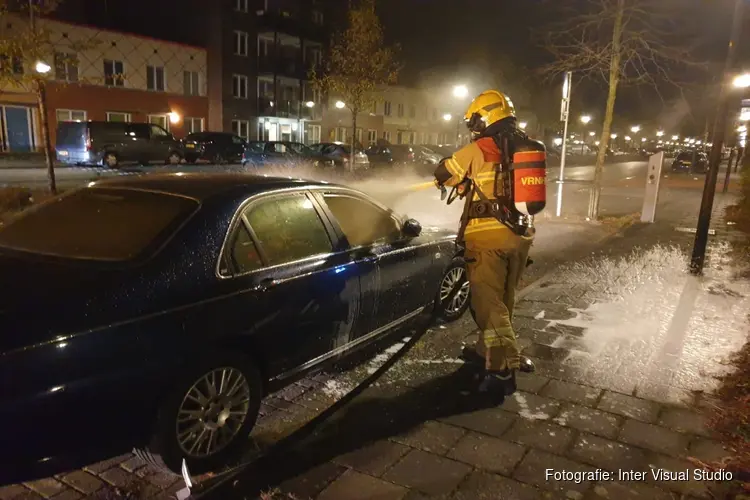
<point x="42" y="298"/>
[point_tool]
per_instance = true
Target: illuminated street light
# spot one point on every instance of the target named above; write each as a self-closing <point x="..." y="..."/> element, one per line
<point x="699" y="142"/>
<point x="659" y="133"/>
<point x="460" y="91"/>
<point x="557" y="141"/>
<point x="42" y="67"/>
<point x="522" y="125"/>
<point x="643" y="139"/>
<point x="635" y="129"/>
<point x="174" y="117"/>
<point x="742" y="81"/>
<point x="447" y="117"/>
<point x="310" y="104"/>
<point x="340" y="104"/>
<point x="597" y="143"/>
<point x="592" y="134"/>
<point x="675" y="137"/>
<point x="613" y="136"/>
<point x="627" y="138"/>
<point x="585" y="119"/>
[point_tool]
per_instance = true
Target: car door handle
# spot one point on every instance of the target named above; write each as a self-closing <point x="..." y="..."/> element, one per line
<point x="263" y="285"/>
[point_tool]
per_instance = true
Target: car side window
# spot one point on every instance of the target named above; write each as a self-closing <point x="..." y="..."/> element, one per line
<point x="237" y="140"/>
<point x="138" y="130"/>
<point x="157" y="131"/>
<point x="288" y="228"/>
<point x="362" y="222"/>
<point x="278" y="147"/>
<point x="245" y="256"/>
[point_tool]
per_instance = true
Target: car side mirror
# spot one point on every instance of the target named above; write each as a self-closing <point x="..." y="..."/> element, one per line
<point x="411" y="228"/>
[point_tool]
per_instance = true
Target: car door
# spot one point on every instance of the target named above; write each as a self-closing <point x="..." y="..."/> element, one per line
<point x="161" y="143"/>
<point x="138" y="143"/>
<point x="394" y="270"/>
<point x="301" y="295"/>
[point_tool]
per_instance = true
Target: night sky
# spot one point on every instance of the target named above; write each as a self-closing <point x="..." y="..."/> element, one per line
<point x="461" y="40"/>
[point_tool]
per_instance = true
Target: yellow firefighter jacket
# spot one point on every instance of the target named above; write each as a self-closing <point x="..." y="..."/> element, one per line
<point x="478" y="161"/>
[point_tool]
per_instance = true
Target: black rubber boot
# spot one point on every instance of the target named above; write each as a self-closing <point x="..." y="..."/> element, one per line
<point x="498" y="384"/>
<point x="470" y="355"/>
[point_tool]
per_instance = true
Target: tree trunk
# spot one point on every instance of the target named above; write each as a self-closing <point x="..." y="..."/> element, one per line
<point x="353" y="154"/>
<point x="41" y="95"/>
<point x="614" y="79"/>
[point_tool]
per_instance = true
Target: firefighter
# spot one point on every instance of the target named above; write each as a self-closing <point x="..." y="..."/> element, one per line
<point x="496" y="252"/>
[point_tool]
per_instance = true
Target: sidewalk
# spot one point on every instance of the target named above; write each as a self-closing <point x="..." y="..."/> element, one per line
<point x="626" y="346"/>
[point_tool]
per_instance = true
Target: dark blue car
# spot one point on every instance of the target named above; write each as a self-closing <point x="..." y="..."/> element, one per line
<point x="155" y="312"/>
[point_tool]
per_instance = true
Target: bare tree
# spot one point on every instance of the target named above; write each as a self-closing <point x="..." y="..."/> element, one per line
<point x="619" y="42"/>
<point x="358" y="64"/>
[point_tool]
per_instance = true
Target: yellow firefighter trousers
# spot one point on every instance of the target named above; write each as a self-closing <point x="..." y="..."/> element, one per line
<point x="493" y="278"/>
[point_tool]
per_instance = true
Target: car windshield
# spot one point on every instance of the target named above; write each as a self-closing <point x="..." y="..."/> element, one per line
<point x="104" y="224"/>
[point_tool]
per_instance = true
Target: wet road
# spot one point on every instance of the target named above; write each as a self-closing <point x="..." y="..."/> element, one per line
<point x="35" y="175"/>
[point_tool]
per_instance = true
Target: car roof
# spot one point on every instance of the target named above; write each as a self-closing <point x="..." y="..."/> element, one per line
<point x="204" y="185"/>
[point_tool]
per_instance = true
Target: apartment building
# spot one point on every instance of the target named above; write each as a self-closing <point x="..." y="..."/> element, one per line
<point x="400" y="115"/>
<point x="260" y="56"/>
<point x="106" y="75"/>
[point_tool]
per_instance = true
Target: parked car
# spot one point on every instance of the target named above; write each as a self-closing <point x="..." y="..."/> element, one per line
<point x="112" y="144"/>
<point x="157" y="311"/>
<point x="214" y="147"/>
<point x="261" y="153"/>
<point x="426" y="155"/>
<point x="694" y="162"/>
<point x="334" y="154"/>
<point x="391" y="155"/>
<point x="444" y="150"/>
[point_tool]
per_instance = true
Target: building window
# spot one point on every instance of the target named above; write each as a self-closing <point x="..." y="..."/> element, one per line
<point x="160" y="120"/>
<point x="372" y="136"/>
<point x="313" y="134"/>
<point x="114" y="73"/>
<point x="155" y="78"/>
<point x="399" y="138"/>
<point x="412" y="111"/>
<point x="317" y="17"/>
<point x="400" y="110"/>
<point x="116" y="116"/>
<point x="341" y="134"/>
<point x="191" y="83"/>
<point x="70" y="115"/>
<point x="66" y="67"/>
<point x="241" y="5"/>
<point x="374" y="108"/>
<point x="265" y="47"/>
<point x="241" y="128"/>
<point x="413" y="138"/>
<point x="240" y="43"/>
<point x="387" y="108"/>
<point x="313" y="55"/>
<point x="359" y="135"/>
<point x="239" y="86"/>
<point x="193" y="125"/>
<point x="386" y="136"/>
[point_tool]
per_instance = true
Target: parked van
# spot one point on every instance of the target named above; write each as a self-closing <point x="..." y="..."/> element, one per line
<point x="112" y="144"/>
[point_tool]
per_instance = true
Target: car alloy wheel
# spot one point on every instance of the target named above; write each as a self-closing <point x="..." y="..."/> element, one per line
<point x="212" y="412"/>
<point x="110" y="160"/>
<point x="174" y="159"/>
<point x="454" y="300"/>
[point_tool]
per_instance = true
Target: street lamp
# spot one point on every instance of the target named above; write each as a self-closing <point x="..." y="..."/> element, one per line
<point x="613" y="136"/>
<point x="592" y="134"/>
<point x="675" y="137"/>
<point x="42" y="67"/>
<point x="643" y="139"/>
<point x="174" y="117"/>
<point x="659" y="133"/>
<point x="585" y="119"/>
<point x="447" y="117"/>
<point x="460" y="91"/>
<point x="628" y="138"/>
<point x="310" y="104"/>
<point x="340" y="104"/>
<point x="635" y="129"/>
<point x="741" y="81"/>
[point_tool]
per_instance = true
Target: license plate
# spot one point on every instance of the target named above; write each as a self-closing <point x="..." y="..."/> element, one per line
<point x="190" y="146"/>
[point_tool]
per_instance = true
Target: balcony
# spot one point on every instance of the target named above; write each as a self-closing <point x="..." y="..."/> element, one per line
<point x="296" y="23"/>
<point x="281" y="66"/>
<point x="282" y="109"/>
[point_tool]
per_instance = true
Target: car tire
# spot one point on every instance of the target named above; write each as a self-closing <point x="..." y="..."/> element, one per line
<point x="110" y="160"/>
<point x="167" y="450"/>
<point x="174" y="158"/>
<point x="453" y="295"/>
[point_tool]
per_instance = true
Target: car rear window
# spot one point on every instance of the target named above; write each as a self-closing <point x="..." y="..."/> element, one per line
<point x="685" y="156"/>
<point x="103" y="224"/>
